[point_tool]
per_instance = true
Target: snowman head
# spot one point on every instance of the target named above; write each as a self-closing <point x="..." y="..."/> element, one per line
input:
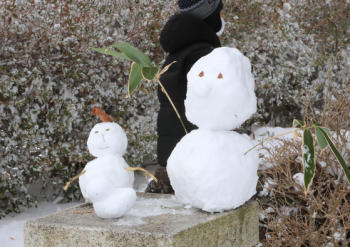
<point x="107" y="139"/>
<point x="220" y="91"/>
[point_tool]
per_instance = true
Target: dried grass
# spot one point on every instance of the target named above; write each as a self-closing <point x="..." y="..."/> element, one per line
<point x="320" y="218"/>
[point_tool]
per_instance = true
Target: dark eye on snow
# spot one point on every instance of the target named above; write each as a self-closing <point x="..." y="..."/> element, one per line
<point x="220" y="76"/>
<point x="107" y="129"/>
<point x="96" y="131"/>
<point x="201" y="74"/>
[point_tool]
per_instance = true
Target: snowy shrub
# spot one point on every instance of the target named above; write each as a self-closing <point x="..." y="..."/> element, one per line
<point x="290" y="217"/>
<point x="49" y="83"/>
<point x="288" y="43"/>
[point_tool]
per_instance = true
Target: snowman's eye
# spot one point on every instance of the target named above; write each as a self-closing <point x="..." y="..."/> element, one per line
<point x="96" y="131"/>
<point x="201" y="74"/>
<point x="220" y="76"/>
<point x="107" y="129"/>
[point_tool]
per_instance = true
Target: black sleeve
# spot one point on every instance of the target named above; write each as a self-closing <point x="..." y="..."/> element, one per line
<point x="194" y="57"/>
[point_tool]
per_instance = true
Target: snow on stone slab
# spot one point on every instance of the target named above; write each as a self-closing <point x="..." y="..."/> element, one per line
<point x="11" y="227"/>
<point x="145" y="207"/>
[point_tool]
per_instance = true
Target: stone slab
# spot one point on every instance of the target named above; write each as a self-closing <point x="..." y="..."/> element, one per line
<point x="174" y="226"/>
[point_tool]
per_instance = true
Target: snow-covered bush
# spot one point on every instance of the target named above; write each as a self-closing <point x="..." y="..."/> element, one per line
<point x="288" y="215"/>
<point x="288" y="43"/>
<point x="49" y="83"/>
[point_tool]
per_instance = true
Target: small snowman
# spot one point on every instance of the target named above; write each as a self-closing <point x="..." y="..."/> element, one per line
<point x="107" y="181"/>
<point x="208" y="168"/>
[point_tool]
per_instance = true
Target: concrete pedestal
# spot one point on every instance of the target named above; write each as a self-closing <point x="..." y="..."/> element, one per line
<point x="165" y="223"/>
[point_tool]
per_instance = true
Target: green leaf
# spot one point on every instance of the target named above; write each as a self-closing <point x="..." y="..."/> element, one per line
<point x="135" y="78"/>
<point x="149" y="73"/>
<point x="322" y="142"/>
<point x="297" y="122"/>
<point x="337" y="154"/>
<point x="111" y="52"/>
<point x="133" y="53"/>
<point x="324" y="128"/>
<point x="317" y="124"/>
<point x="308" y="159"/>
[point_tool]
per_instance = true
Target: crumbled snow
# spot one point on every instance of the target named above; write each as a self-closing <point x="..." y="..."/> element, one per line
<point x="151" y="207"/>
<point x="299" y="179"/>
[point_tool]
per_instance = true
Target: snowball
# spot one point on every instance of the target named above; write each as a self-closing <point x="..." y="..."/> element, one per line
<point x="99" y="188"/>
<point x="114" y="205"/>
<point x="208" y="170"/>
<point x="106" y="139"/>
<point x="225" y="103"/>
<point x="112" y="168"/>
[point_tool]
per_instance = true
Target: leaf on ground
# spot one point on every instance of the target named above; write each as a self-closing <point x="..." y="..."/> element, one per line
<point x="308" y="159"/>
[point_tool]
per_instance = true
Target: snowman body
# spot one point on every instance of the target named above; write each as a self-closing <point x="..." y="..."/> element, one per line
<point x="208" y="168"/>
<point x="109" y="203"/>
<point x="105" y="182"/>
<point x="110" y="166"/>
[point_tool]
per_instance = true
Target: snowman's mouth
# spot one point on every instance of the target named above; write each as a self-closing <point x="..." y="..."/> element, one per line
<point x="105" y="147"/>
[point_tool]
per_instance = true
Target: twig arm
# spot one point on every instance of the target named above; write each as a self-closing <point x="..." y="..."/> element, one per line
<point x="68" y="183"/>
<point x="271" y="139"/>
<point x="141" y="169"/>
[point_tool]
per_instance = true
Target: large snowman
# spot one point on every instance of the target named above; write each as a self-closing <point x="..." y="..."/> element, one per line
<point x="208" y="168"/>
<point x="106" y="181"/>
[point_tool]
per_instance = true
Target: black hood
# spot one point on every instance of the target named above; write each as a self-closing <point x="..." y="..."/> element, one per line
<point x="184" y="29"/>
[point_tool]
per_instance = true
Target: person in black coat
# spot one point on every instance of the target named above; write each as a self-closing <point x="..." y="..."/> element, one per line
<point x="187" y="37"/>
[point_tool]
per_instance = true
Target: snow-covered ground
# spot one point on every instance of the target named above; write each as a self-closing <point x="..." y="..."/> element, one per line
<point x="11" y="227"/>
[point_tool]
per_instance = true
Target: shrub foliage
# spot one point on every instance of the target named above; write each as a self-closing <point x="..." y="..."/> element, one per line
<point x="49" y="83"/>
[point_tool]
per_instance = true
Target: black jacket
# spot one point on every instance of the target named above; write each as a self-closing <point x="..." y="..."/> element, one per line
<point x="187" y="39"/>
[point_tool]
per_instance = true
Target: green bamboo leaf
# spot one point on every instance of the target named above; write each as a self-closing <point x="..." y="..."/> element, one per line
<point x="133" y="53"/>
<point x="149" y="73"/>
<point x="324" y="128"/>
<point x="111" y="52"/>
<point x="337" y="154"/>
<point x="135" y="78"/>
<point x="317" y="124"/>
<point x="308" y="159"/>
<point x="297" y="122"/>
<point x="322" y="142"/>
